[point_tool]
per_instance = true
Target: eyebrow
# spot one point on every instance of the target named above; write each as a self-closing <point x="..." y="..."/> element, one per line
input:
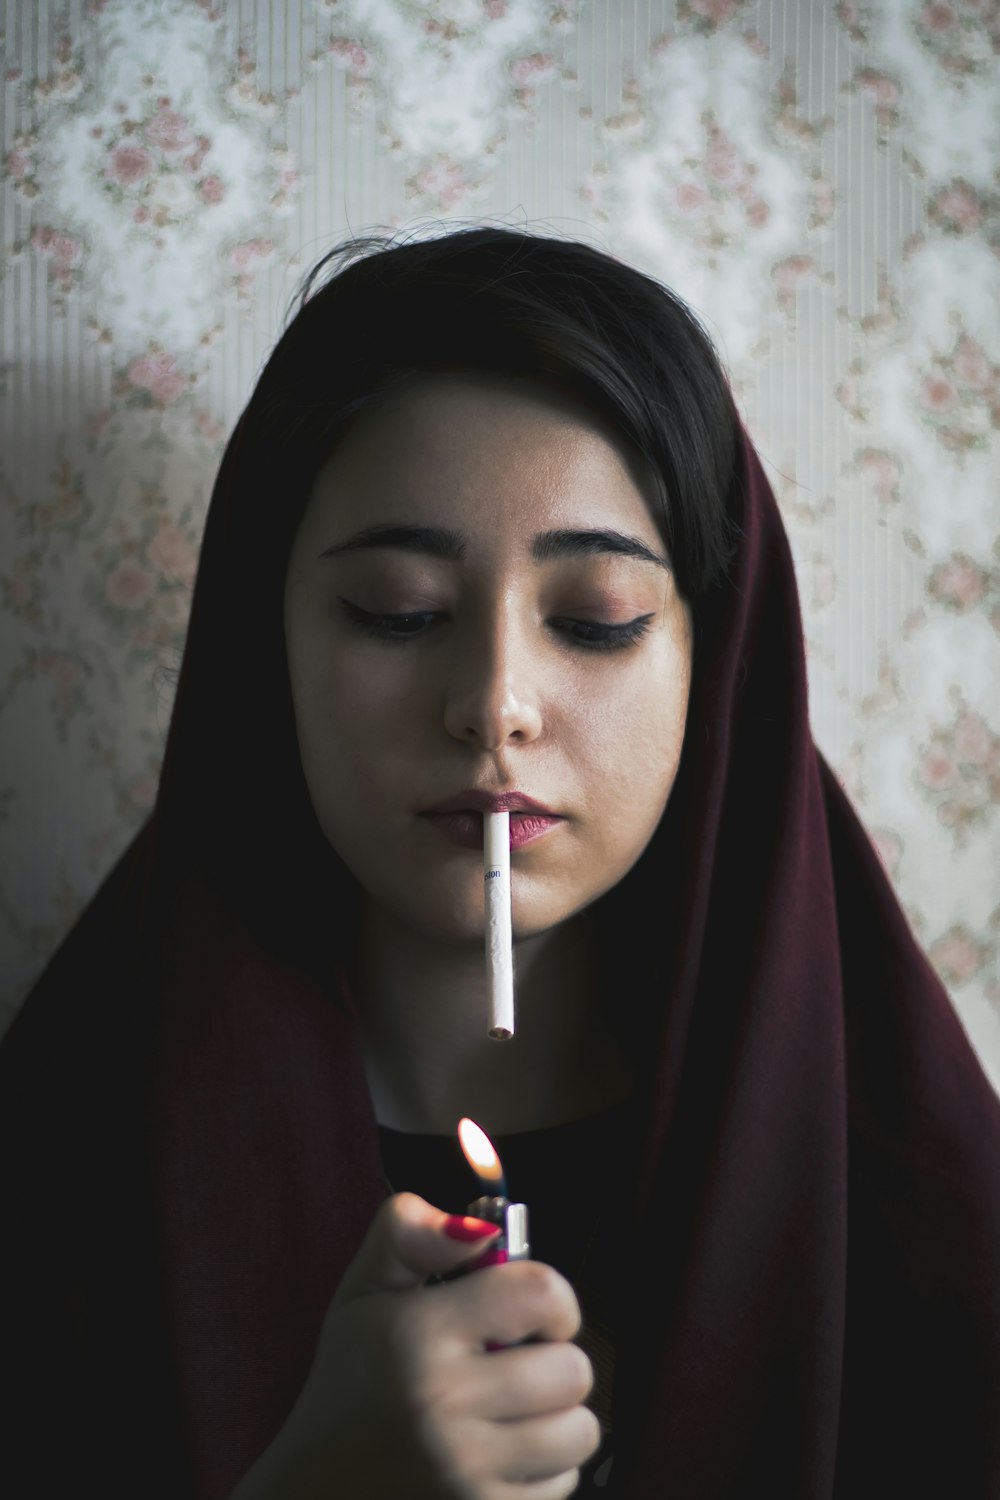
<point x="433" y="541"/>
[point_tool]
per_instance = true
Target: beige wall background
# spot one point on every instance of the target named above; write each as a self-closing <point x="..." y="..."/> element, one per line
<point x="819" y="180"/>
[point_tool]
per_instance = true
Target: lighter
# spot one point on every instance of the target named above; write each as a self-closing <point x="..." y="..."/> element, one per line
<point x="495" y="1207"/>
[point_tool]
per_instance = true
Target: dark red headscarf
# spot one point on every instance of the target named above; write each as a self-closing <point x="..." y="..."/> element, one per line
<point x="811" y="1309"/>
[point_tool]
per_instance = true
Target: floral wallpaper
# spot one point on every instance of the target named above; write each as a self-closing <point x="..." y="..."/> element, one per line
<point x="819" y="180"/>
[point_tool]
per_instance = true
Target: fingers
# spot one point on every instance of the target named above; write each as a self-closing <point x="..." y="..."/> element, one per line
<point x="508" y="1425"/>
<point x="557" y="1488"/>
<point x="539" y="1451"/>
<point x="408" y="1241"/>
<point x="531" y="1381"/>
<point x="507" y="1304"/>
<point x="540" y="1448"/>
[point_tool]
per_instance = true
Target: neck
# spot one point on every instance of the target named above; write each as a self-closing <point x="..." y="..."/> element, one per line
<point x="422" y="1004"/>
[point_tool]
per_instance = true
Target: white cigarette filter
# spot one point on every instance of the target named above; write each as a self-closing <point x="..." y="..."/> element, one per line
<point x="499" y="954"/>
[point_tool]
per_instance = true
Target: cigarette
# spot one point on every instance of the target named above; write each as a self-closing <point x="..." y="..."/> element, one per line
<point x="499" y="957"/>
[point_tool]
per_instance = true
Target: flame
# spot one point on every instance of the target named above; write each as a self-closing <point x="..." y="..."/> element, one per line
<point x="479" y="1151"/>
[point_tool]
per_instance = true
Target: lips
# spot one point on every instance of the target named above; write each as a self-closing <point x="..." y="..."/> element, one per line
<point x="460" y="818"/>
<point x="466" y="828"/>
<point x="491" y="802"/>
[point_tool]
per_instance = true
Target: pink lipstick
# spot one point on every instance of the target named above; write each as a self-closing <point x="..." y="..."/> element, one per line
<point x="466" y="829"/>
<point x="460" y="818"/>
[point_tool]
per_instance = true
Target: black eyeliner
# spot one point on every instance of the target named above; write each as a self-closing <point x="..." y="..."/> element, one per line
<point x="612" y="637"/>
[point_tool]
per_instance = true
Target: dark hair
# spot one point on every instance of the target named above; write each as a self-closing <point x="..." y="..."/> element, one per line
<point x="375" y="314"/>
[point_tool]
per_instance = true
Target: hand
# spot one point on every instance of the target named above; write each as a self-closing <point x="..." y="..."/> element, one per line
<point x="405" y="1402"/>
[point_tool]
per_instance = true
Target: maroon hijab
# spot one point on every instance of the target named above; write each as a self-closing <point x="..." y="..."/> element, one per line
<point x="811" y="1308"/>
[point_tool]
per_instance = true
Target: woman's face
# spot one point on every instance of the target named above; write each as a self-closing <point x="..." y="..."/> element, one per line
<point x="478" y="599"/>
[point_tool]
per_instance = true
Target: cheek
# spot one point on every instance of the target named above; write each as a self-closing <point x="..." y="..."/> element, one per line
<point x="632" y="747"/>
<point x="339" y="696"/>
<point x="356" y="722"/>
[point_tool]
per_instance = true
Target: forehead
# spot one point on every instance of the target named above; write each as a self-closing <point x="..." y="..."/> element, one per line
<point x="484" y="455"/>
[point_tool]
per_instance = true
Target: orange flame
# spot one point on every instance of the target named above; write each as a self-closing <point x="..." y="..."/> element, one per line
<point x="479" y="1150"/>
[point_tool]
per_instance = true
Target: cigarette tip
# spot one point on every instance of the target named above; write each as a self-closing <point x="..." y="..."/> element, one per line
<point x="501" y="1033"/>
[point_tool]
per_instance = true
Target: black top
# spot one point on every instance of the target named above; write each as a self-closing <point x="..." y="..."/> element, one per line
<point x="572" y="1178"/>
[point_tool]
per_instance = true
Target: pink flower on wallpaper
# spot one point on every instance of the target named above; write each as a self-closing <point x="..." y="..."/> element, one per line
<point x="960" y="394"/>
<point x="208" y="426"/>
<point x="690" y="196"/>
<point x="157" y="373"/>
<point x="529" y="72"/>
<point x="168" y="130"/>
<point x="128" y="585"/>
<point x="960" y="37"/>
<point x="17" y="163"/>
<point x="788" y="274"/>
<point x="707" y="14"/>
<point x="956" y="208"/>
<point x="960" y="769"/>
<point x="715" y="10"/>
<point x="972" y="741"/>
<point x="823" y="200"/>
<point x="350" y="54"/>
<point x="882" y="470"/>
<point x="286" y="176"/>
<point x="248" y="258"/>
<point x="62" y="249"/>
<point x="970" y="363"/>
<point x="937" y="394"/>
<point x="884" y="92"/>
<point x="721" y="160"/>
<point x="958" y="582"/>
<point x="716" y="193"/>
<point x="937" y="18"/>
<point x="128" y="165"/>
<point x="211" y="190"/>
<point x="243" y="257"/>
<point x="937" y="771"/>
<point x="442" y="180"/>
<point x="851" y="16"/>
<point x="171" y="551"/>
<point x="956" y="955"/>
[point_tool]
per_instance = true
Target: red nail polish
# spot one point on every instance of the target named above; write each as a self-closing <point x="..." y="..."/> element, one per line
<point x="467" y="1230"/>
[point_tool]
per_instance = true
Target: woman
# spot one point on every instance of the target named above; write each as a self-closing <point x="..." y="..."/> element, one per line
<point x="489" y="529"/>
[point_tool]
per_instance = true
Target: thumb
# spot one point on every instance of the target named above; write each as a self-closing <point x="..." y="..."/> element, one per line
<point x="408" y="1241"/>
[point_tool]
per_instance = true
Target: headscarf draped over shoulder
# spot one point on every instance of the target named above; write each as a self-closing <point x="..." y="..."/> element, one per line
<point x="811" y="1310"/>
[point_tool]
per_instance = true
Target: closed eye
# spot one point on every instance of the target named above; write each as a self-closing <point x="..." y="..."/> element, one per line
<point x="587" y="635"/>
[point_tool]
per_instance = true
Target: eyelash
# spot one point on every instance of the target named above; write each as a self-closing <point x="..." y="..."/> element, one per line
<point x="590" y="635"/>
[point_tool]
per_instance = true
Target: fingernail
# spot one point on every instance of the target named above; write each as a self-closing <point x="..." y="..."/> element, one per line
<point x="467" y="1230"/>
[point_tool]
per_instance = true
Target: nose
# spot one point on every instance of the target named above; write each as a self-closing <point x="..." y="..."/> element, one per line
<point x="493" y="695"/>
